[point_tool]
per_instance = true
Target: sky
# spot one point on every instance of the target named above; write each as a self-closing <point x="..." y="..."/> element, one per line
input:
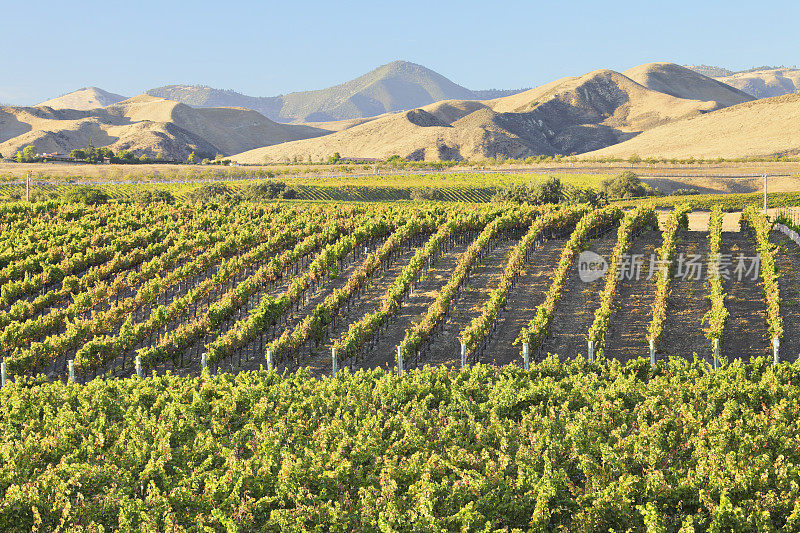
<point x="270" y="48"/>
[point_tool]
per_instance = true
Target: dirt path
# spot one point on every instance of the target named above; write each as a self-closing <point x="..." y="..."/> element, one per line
<point x="521" y="303"/>
<point x="319" y="360"/>
<point x="382" y="354"/>
<point x="788" y="264"/>
<point x="626" y="337"/>
<point x="745" y="334"/>
<point x="445" y="348"/>
<point x="574" y="313"/>
<point x="687" y="302"/>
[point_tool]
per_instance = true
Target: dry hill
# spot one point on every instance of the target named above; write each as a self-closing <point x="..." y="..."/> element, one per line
<point x="84" y="99"/>
<point x="761" y="128"/>
<point x="682" y="82"/>
<point x="766" y="83"/>
<point x="145" y="125"/>
<point x="571" y="115"/>
<point x="393" y="87"/>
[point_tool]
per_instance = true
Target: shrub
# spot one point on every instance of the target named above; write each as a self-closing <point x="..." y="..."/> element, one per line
<point x="216" y="192"/>
<point x="684" y="192"/>
<point x="626" y="185"/>
<point x="152" y="197"/>
<point x="262" y="191"/>
<point x="86" y="195"/>
<point x="549" y="191"/>
<point x="426" y="193"/>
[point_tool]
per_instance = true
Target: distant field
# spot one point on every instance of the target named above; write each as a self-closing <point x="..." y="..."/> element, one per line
<point x="466" y="187"/>
<point x="160" y="172"/>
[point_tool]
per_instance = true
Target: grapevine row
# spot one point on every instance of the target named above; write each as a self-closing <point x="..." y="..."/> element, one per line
<point x="676" y="221"/>
<point x="634" y="222"/>
<point x="534" y="333"/>
<point x="717" y="316"/>
<point x="480" y="327"/>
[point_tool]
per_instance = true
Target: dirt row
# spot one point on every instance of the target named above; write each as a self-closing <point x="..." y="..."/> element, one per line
<point x="745" y="335"/>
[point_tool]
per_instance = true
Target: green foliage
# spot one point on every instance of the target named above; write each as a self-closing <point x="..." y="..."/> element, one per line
<point x="584" y="195"/>
<point x="427" y="193"/>
<point x="548" y="191"/>
<point x="676" y="221"/>
<point x="152" y="196"/>
<point x="27" y="155"/>
<point x="86" y="196"/>
<point x="563" y="447"/>
<point x="684" y="192"/>
<point x="332" y="160"/>
<point x="215" y="192"/>
<point x="717" y="316"/>
<point x="263" y="191"/>
<point x="626" y="185"/>
<point x="191" y="159"/>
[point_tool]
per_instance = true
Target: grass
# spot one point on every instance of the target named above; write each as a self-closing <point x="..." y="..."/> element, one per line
<point x="729" y="202"/>
<point x="471" y="187"/>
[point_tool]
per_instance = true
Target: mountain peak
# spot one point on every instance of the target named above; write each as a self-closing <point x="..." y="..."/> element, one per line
<point x="84" y="99"/>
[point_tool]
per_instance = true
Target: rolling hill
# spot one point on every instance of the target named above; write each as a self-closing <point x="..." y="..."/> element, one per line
<point x="759" y="82"/>
<point x="682" y="82"/>
<point x="766" y="83"/>
<point x="393" y="87"/>
<point x="84" y="99"/>
<point x="761" y="128"/>
<point x="145" y="125"/>
<point x="570" y="115"/>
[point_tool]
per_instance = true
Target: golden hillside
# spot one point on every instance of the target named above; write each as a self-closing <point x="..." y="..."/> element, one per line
<point x="570" y="115"/>
<point x="766" y="83"/>
<point x="682" y="82"/>
<point x="146" y="125"/>
<point x="84" y="99"/>
<point x="760" y="128"/>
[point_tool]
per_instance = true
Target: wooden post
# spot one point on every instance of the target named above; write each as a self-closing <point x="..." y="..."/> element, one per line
<point x="71" y="370"/>
<point x="203" y="361"/>
<point x="334" y="361"/>
<point x="526" y="355"/>
<point x="776" y="346"/>
<point x="716" y="353"/>
<point x="765" y="193"/>
<point x="591" y="351"/>
<point x="28" y="188"/>
<point x="139" y="365"/>
<point x="269" y="360"/>
<point x="463" y="356"/>
<point x="652" y="352"/>
<point x="3" y="374"/>
<point x="400" y="360"/>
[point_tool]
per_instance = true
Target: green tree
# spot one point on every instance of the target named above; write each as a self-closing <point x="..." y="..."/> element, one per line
<point x="191" y="159"/>
<point x="332" y="160"/>
<point x="626" y="185"/>
<point x="27" y="155"/>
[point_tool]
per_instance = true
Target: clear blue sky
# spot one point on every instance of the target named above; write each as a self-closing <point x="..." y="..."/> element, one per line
<point x="268" y="48"/>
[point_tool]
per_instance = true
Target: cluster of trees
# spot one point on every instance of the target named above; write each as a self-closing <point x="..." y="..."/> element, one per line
<point x="90" y="154"/>
<point x="86" y="195"/>
<point x="550" y="191"/>
<point x="626" y="185"/>
<point x="27" y="155"/>
<point x="216" y="192"/>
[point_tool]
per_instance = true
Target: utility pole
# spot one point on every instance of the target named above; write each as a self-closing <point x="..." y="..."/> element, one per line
<point x="28" y="188"/>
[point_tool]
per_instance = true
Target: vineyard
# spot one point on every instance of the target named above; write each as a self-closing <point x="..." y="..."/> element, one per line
<point x="587" y="369"/>
<point x="115" y="290"/>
